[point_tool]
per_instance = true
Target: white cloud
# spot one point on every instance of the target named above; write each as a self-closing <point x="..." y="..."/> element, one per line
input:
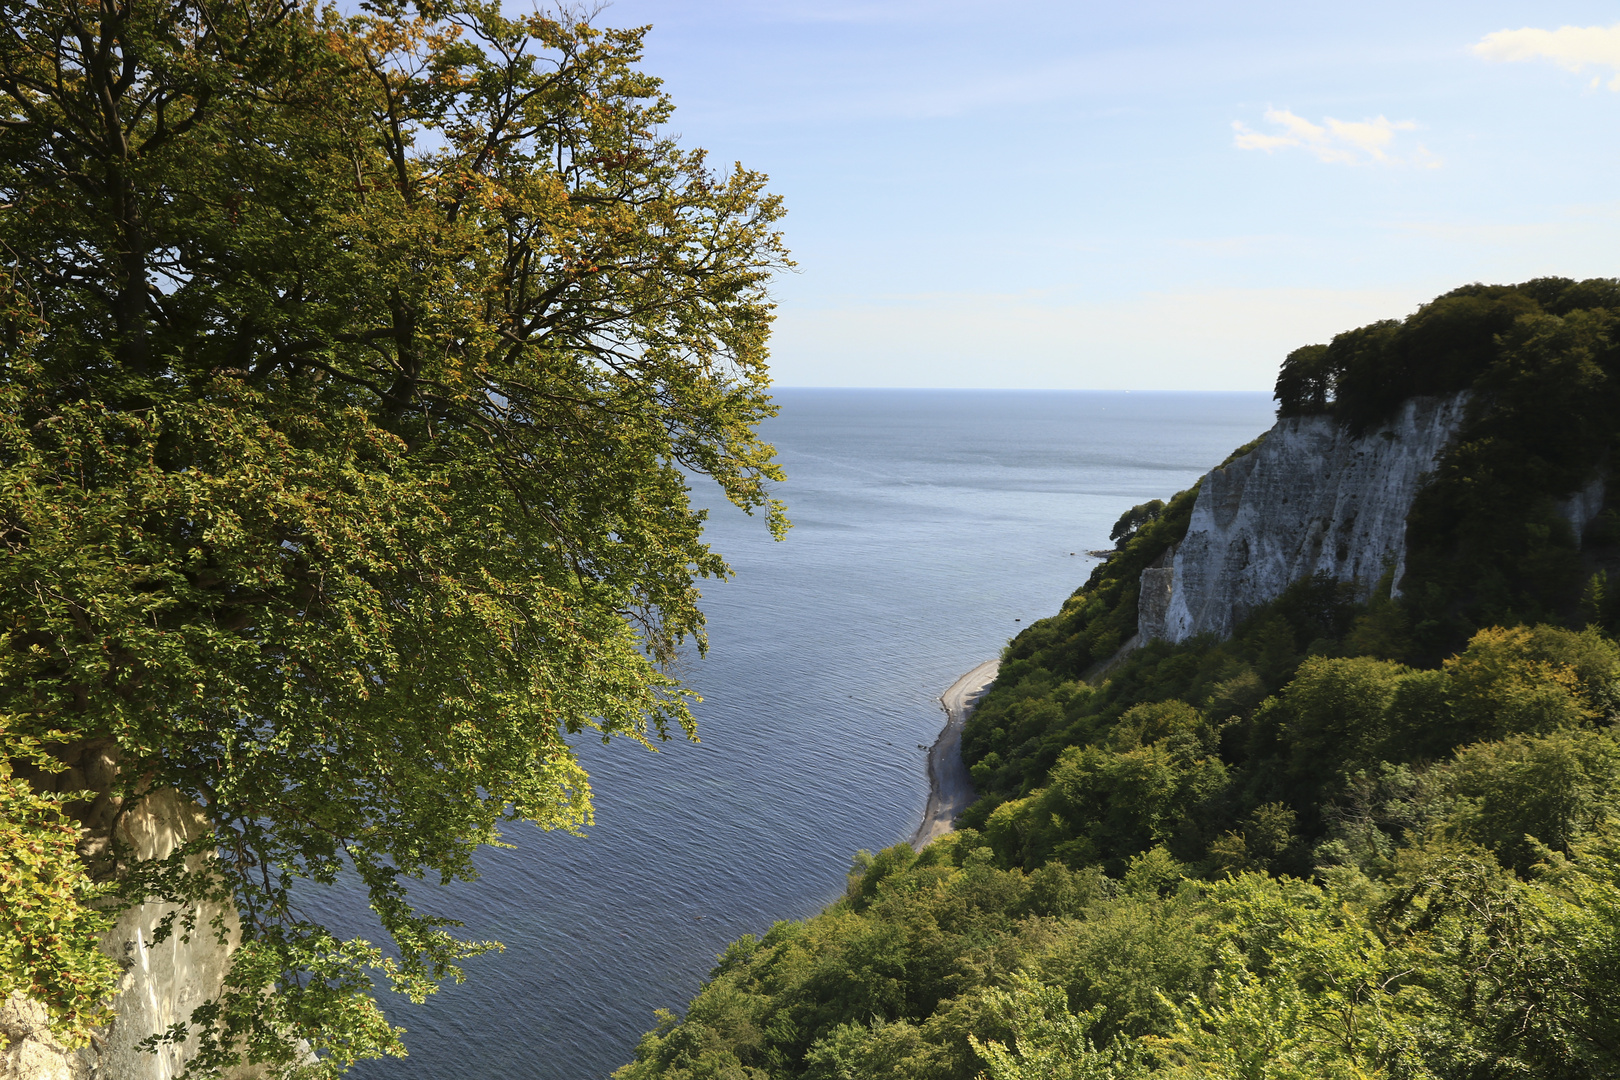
<point x="1574" y="48"/>
<point x="1348" y="142"/>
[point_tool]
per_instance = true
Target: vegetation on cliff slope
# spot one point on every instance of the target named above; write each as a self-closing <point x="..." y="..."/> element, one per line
<point x="1353" y="840"/>
<point x="1488" y="543"/>
<point x="351" y="370"/>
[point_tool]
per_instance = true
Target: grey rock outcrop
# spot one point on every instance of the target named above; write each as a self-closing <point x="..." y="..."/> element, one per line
<point x="1153" y="604"/>
<point x="1580" y="508"/>
<point x="1311" y="499"/>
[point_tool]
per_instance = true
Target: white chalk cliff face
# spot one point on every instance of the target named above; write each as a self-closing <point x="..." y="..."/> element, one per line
<point x="162" y="981"/>
<point x="1311" y="499"/>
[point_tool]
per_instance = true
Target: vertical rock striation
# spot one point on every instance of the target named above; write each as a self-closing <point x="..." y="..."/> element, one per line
<point x="167" y="974"/>
<point x="1311" y="499"/>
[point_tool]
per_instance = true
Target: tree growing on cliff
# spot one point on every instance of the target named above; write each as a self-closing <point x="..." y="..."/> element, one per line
<point x="1132" y="520"/>
<point x="353" y="367"/>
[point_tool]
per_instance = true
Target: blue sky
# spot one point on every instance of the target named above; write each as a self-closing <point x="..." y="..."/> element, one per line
<point x="1144" y="196"/>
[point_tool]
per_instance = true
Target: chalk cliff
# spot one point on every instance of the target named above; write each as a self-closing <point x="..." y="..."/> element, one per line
<point x="162" y="981"/>
<point x="1311" y="499"/>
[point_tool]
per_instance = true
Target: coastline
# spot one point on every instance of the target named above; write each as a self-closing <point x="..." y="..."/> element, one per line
<point x="950" y="789"/>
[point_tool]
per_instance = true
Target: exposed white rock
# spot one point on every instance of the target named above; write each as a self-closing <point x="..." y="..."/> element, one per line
<point x="31" y="1051"/>
<point x="162" y="982"/>
<point x="1580" y="508"/>
<point x="1153" y="603"/>
<point x="1311" y="499"/>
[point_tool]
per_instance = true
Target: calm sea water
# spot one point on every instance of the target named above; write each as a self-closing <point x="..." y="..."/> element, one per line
<point x="928" y="525"/>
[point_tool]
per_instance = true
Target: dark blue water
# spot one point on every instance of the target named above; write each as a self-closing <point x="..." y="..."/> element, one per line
<point x="927" y="524"/>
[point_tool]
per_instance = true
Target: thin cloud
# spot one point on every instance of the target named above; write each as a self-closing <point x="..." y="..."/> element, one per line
<point x="1573" y="48"/>
<point x="1342" y="142"/>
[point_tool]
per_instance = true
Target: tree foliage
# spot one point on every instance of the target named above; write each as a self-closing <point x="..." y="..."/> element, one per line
<point x="48" y="904"/>
<point x="1444" y="965"/>
<point x="353" y="370"/>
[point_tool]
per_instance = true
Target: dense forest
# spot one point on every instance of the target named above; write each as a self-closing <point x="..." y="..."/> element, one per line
<point x="1375" y="838"/>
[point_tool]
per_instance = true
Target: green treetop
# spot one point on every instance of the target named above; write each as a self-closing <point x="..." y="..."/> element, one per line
<point x="353" y="367"/>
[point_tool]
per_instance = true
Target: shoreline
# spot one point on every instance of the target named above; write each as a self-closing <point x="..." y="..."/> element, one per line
<point x="950" y="789"/>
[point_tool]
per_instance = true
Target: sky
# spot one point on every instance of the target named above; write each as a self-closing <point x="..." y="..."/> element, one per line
<point x="1144" y="196"/>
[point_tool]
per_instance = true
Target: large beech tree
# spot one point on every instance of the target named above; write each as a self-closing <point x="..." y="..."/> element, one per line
<point x="354" y="367"/>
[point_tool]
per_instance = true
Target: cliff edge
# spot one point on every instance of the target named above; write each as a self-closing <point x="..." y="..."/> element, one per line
<point x="167" y="972"/>
<point x="1311" y="499"/>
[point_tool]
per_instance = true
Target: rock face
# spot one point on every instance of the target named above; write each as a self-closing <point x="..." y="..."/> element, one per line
<point x="1153" y="605"/>
<point x="162" y="981"/>
<point x="32" y="1052"/>
<point x="1311" y="499"/>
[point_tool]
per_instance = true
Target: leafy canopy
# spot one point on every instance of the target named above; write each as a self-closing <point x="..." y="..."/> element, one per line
<point x="353" y="368"/>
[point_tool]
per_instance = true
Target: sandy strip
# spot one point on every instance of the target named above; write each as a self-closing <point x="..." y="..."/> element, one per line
<point x="950" y="790"/>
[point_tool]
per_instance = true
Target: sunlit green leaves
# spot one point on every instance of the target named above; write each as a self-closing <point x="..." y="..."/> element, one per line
<point x="49" y="918"/>
<point x="354" y="370"/>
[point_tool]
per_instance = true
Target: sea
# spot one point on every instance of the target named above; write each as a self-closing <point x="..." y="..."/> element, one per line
<point x="928" y="527"/>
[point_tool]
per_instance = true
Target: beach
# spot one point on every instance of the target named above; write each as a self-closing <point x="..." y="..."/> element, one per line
<point x="950" y="789"/>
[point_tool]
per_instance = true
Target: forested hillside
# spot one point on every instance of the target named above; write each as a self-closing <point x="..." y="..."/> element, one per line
<point x="1354" y="839"/>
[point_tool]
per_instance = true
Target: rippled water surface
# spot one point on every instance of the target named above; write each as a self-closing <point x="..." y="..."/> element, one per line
<point x="927" y="524"/>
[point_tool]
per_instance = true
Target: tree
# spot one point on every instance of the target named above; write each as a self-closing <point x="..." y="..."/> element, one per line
<point x="1305" y="382"/>
<point x="354" y="369"/>
<point x="1049" y="1042"/>
<point x="1132" y="520"/>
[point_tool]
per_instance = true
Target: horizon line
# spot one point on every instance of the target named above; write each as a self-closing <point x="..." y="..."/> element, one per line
<point x="1021" y="389"/>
